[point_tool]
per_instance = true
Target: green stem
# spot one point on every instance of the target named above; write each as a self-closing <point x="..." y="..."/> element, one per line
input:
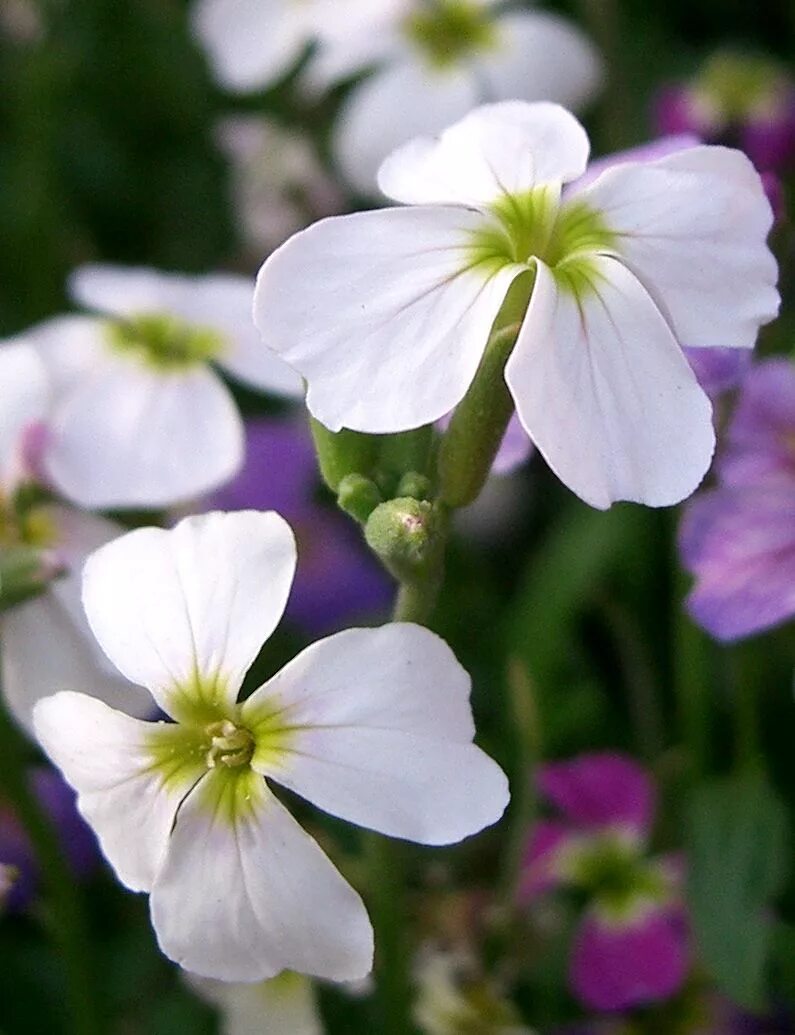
<point x="525" y="727"/>
<point x="415" y="601"/>
<point x="67" y="923"/>
<point x="387" y="907"/>
<point x="478" y="425"/>
<point x="745" y="689"/>
<point x="693" y="678"/>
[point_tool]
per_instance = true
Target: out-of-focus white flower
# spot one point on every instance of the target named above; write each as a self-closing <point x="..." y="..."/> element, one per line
<point x="253" y="43"/>
<point x="278" y="184"/>
<point x="453" y="998"/>
<point x="606" y="282"/>
<point x="284" y="1005"/>
<point x="441" y="59"/>
<point x="45" y="642"/>
<point x="140" y="418"/>
<point x="432" y="62"/>
<point x="371" y="725"/>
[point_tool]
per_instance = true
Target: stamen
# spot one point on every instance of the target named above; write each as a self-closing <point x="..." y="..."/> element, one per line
<point x="230" y="745"/>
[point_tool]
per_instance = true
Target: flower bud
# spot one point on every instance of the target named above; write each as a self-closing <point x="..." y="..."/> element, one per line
<point x="406" y="534"/>
<point x="358" y="496"/>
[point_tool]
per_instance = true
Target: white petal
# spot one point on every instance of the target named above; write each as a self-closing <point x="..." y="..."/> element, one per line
<point x="394" y="105"/>
<point x="120" y="290"/>
<point x="246" y="893"/>
<point x="497" y="149"/>
<point x="250" y="43"/>
<point x="541" y="57"/>
<point x="70" y="348"/>
<point x="108" y="758"/>
<point x="379" y="732"/>
<point x="382" y="314"/>
<point x="693" y="227"/>
<point x="24" y="398"/>
<point x="72" y="658"/>
<point x="197" y="601"/>
<point x="606" y="394"/>
<point x="369" y="33"/>
<point x="284" y="1005"/>
<point x="223" y="301"/>
<point x="133" y="436"/>
<point x="220" y="302"/>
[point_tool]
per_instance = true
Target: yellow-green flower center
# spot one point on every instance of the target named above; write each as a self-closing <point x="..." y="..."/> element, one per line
<point x="165" y="342"/>
<point x="230" y="745"/>
<point x="216" y="743"/>
<point x="738" y="86"/>
<point x="535" y="224"/>
<point x="613" y="872"/>
<point x="26" y="523"/>
<point x="445" y="31"/>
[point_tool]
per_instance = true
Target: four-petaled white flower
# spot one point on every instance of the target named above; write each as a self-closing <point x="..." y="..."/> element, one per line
<point x="140" y="419"/>
<point x="432" y="61"/>
<point x="45" y="642"/>
<point x="371" y="725"/>
<point x="387" y="314"/>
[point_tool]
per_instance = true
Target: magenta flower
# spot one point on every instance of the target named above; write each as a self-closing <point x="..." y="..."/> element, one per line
<point x="738" y="540"/>
<point x="337" y="580"/>
<point x="631" y="947"/>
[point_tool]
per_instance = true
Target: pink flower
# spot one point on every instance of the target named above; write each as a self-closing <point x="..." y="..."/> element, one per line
<point x="631" y="944"/>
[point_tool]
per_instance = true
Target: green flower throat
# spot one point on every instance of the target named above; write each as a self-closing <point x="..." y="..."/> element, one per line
<point x="535" y="224"/>
<point x="446" y="31"/>
<point x="165" y="342"/>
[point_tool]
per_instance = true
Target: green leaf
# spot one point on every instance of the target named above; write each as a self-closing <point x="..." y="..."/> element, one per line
<point x="737" y="863"/>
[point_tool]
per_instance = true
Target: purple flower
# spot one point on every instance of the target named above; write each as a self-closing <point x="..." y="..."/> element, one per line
<point x="336" y="580"/>
<point x="718" y="369"/>
<point x="741" y="100"/>
<point x="631" y="946"/>
<point x="18" y="863"/>
<point x="738" y="540"/>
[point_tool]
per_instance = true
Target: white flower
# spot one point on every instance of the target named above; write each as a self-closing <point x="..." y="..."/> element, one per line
<point x="140" y="417"/>
<point x="433" y="61"/>
<point x="387" y="314"/>
<point x="436" y="61"/>
<point x="371" y="725"/>
<point x="253" y="43"/>
<point x="284" y="1005"/>
<point x="45" y="642"/>
<point x="278" y="183"/>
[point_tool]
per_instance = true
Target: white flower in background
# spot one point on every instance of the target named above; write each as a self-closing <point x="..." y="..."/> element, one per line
<point x="253" y="43"/>
<point x="140" y="418"/>
<point x="45" y="642"/>
<point x="278" y="184"/>
<point x="437" y="61"/>
<point x="433" y="60"/>
<point x="387" y="313"/>
<point x="454" y="997"/>
<point x="371" y="725"/>
<point x="284" y="1005"/>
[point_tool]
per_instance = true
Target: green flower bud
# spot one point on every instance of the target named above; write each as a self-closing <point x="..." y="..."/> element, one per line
<point x="408" y="536"/>
<point x="416" y="485"/>
<point x="358" y="496"/>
